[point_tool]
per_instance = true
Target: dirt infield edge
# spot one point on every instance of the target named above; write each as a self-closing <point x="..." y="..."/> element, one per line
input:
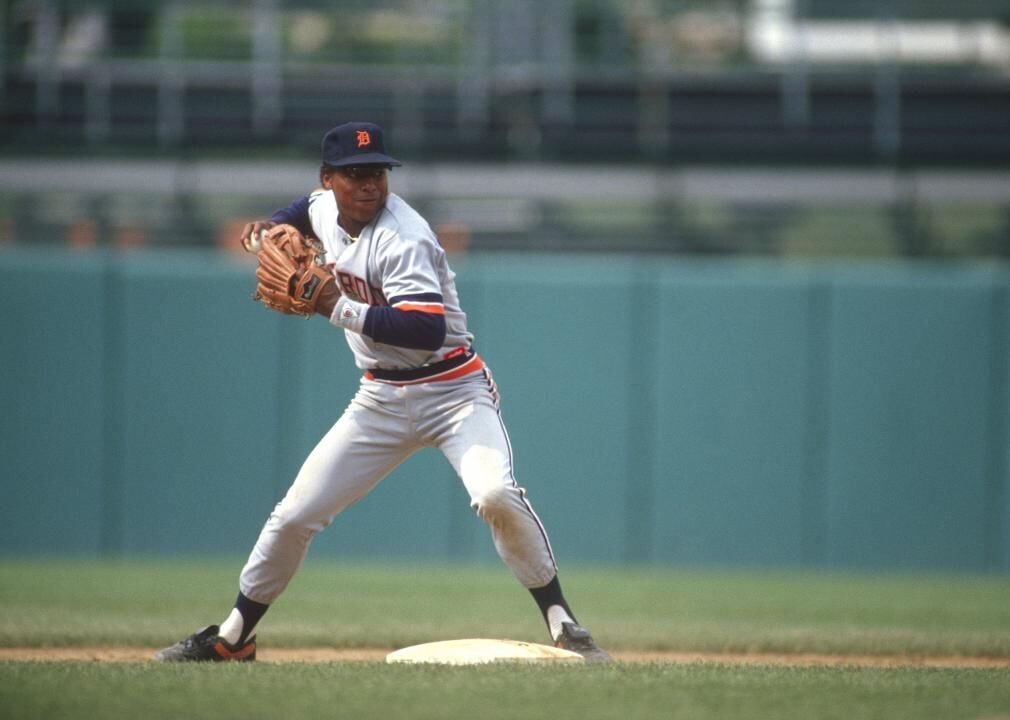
<point x="325" y="655"/>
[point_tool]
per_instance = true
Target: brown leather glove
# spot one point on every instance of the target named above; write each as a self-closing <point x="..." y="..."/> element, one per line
<point x="290" y="276"/>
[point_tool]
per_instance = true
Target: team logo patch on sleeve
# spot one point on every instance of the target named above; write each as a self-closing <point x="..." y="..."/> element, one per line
<point x="349" y="312"/>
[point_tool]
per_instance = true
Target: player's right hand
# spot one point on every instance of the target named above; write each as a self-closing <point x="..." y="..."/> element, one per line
<point x="250" y="237"/>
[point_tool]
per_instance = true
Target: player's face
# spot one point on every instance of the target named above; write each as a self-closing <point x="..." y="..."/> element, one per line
<point x="361" y="191"/>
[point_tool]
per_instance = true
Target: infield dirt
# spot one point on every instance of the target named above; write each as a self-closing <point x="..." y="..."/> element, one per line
<point x="323" y="655"/>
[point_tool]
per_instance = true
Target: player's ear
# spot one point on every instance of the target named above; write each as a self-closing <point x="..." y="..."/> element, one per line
<point x="325" y="174"/>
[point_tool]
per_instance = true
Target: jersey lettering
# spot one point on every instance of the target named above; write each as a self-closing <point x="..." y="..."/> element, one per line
<point x="357" y="289"/>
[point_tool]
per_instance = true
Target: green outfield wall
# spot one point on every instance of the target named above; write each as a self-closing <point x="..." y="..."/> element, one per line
<point x="662" y="411"/>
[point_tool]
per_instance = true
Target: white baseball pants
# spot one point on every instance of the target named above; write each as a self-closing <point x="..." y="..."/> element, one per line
<point x="383" y="425"/>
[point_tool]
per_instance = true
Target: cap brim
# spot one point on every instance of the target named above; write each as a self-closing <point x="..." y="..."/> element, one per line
<point x="365" y="159"/>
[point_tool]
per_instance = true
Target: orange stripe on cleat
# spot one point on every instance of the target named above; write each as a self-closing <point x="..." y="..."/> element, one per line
<point x="227" y="654"/>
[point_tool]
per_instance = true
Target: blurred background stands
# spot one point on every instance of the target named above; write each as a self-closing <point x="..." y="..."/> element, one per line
<point x="773" y="127"/>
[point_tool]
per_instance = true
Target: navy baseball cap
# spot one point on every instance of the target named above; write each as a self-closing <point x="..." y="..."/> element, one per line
<point x="356" y="143"/>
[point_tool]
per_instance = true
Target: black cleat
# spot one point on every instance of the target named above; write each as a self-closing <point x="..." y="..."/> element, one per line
<point x="576" y="638"/>
<point x="206" y="646"/>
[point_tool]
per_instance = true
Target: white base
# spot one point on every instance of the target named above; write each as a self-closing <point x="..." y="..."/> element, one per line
<point x="478" y="651"/>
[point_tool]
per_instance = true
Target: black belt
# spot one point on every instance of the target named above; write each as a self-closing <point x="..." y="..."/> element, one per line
<point x="425" y="371"/>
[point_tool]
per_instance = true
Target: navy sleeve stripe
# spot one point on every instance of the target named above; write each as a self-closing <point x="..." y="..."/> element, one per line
<point x="416" y="330"/>
<point x="417" y="298"/>
<point x="296" y="214"/>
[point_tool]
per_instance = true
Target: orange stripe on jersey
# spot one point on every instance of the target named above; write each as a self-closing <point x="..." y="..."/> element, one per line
<point x="430" y="308"/>
<point x="472" y="365"/>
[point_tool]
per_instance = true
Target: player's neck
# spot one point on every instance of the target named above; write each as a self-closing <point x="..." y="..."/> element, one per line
<point x="351" y="227"/>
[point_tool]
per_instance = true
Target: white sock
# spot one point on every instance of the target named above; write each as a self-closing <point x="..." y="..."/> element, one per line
<point x="231" y="628"/>
<point x="555" y="616"/>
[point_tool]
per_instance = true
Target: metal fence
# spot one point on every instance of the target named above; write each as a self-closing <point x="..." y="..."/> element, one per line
<point x="783" y="127"/>
<point x="654" y="81"/>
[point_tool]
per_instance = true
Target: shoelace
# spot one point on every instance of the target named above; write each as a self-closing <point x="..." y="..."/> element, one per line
<point x="581" y="644"/>
<point x="194" y="641"/>
<point x="578" y="642"/>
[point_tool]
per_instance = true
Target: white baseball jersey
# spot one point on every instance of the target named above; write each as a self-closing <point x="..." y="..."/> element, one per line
<point x="422" y="388"/>
<point x="396" y="262"/>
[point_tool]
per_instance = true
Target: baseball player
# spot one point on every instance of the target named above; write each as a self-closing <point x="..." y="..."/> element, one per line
<point x="388" y="286"/>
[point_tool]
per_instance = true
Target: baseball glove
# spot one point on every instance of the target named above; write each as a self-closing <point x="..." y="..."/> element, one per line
<point x="289" y="278"/>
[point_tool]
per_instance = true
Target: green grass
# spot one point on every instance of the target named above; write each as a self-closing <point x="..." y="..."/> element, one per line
<point x="66" y="603"/>
<point x="153" y="603"/>
<point x="373" y="690"/>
